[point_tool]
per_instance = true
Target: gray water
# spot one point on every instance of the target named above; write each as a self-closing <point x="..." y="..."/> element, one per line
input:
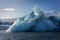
<point x="30" y="36"/>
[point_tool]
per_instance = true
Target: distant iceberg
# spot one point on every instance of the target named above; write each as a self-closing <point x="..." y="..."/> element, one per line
<point x="0" y="21"/>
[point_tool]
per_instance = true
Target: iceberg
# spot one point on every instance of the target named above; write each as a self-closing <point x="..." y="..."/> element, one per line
<point x="22" y="24"/>
<point x="36" y="21"/>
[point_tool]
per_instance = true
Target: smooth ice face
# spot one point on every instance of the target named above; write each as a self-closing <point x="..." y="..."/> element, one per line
<point x="44" y="25"/>
<point x="55" y="20"/>
<point x="30" y="16"/>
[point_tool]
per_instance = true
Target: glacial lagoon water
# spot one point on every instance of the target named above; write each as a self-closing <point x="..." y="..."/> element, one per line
<point x="30" y="36"/>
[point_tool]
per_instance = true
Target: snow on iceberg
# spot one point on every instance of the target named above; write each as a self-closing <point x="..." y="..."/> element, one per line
<point x="22" y="18"/>
<point x="30" y="16"/>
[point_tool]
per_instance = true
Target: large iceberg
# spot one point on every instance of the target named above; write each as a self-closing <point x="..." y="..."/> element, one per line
<point x="35" y="21"/>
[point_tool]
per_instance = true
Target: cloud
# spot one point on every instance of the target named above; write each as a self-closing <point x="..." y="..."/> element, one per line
<point x="8" y="9"/>
<point x="6" y="13"/>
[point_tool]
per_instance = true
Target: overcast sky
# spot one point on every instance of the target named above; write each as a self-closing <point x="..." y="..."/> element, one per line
<point x="19" y="8"/>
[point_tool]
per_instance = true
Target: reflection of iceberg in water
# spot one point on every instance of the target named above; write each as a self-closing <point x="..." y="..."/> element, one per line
<point x="35" y="21"/>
